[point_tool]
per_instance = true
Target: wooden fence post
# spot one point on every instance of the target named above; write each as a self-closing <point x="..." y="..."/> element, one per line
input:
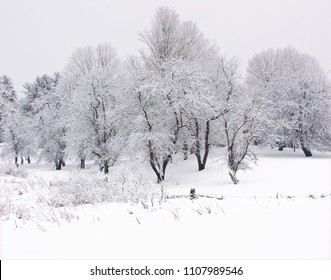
<point x="192" y="193"/>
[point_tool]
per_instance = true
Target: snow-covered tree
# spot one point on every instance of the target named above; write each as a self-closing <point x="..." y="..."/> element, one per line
<point x="199" y="106"/>
<point x="91" y="83"/>
<point x="42" y="104"/>
<point x="170" y="86"/>
<point x="18" y="142"/>
<point x="170" y="38"/>
<point x="239" y="116"/>
<point x="52" y="131"/>
<point x="7" y="99"/>
<point x="151" y="129"/>
<point x="296" y="97"/>
<point x="15" y="127"/>
<point x="35" y="93"/>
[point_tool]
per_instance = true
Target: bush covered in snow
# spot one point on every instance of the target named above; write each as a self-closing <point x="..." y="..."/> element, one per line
<point x="12" y="170"/>
<point x="42" y="201"/>
<point x="119" y="186"/>
<point x="23" y="200"/>
<point x="5" y="206"/>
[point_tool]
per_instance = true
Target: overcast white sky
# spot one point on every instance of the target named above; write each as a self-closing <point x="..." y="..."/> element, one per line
<point x="38" y="36"/>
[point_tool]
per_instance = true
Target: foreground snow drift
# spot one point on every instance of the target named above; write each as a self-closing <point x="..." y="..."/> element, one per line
<point x="181" y="229"/>
<point x="280" y="210"/>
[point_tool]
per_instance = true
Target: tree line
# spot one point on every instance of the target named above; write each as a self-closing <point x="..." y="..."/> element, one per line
<point x="180" y="95"/>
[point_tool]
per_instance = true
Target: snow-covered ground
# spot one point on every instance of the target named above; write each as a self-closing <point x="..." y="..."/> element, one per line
<point x="280" y="210"/>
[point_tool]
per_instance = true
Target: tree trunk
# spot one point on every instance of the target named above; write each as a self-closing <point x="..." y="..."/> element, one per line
<point x="106" y="167"/>
<point x="160" y="175"/>
<point x="304" y="147"/>
<point x="206" y="153"/>
<point x="100" y="166"/>
<point x="233" y="176"/>
<point x="200" y="163"/>
<point x="16" y="161"/>
<point x="164" y="166"/>
<point x="82" y="163"/>
<point x="28" y="159"/>
<point x="306" y="151"/>
<point x="161" y="179"/>
<point x="155" y="164"/>
<point x="185" y="150"/>
<point x="233" y="165"/>
<point x="57" y="164"/>
<point x="302" y="131"/>
<point x="197" y="147"/>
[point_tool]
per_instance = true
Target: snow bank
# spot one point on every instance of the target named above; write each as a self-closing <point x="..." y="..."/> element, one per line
<point x="280" y="210"/>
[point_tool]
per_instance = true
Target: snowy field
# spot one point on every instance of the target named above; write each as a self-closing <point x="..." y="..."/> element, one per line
<point x="280" y="210"/>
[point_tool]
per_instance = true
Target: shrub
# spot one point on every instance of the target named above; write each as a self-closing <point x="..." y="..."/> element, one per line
<point x="12" y="170"/>
<point x="120" y="186"/>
